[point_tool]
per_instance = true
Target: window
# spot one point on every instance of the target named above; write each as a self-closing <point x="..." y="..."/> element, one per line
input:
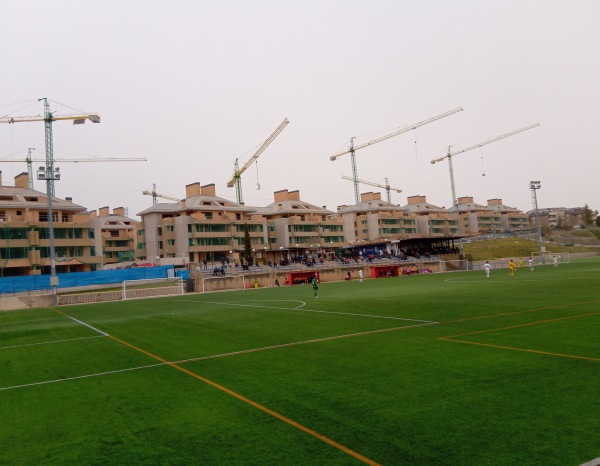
<point x="13" y="253"/>
<point x="114" y="234"/>
<point x="13" y="233"/>
<point x="212" y="228"/>
<point x="44" y="216"/>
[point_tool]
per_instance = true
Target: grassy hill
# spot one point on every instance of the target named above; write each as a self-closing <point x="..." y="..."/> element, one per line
<point x="520" y="247"/>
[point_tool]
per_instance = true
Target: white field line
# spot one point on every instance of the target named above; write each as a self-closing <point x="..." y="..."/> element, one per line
<point x="78" y="377"/>
<point x="302" y="303"/>
<point x="305" y="342"/>
<point x="594" y="462"/>
<point x="88" y="326"/>
<point x="309" y="310"/>
<point x="215" y="356"/>
<point x="51" y="342"/>
<point x="544" y="275"/>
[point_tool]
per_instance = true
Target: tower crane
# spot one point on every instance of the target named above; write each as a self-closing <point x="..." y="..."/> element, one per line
<point x="49" y="173"/>
<point x="48" y="119"/>
<point x="236" y="180"/>
<point x="156" y="195"/>
<point x="386" y="186"/>
<point x="30" y="166"/>
<point x="352" y="149"/>
<point x="450" y="154"/>
<point x="30" y="161"/>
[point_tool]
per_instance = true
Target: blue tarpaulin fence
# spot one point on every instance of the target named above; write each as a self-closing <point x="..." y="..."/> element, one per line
<point x="75" y="279"/>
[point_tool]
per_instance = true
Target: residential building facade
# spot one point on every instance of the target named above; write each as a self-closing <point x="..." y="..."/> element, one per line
<point x="25" y="232"/>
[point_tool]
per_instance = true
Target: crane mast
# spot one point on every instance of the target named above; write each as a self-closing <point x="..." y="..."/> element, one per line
<point x="450" y="154"/>
<point x="29" y="161"/>
<point x="156" y="195"/>
<point x="352" y="149"/>
<point x="236" y="180"/>
<point x="386" y="186"/>
<point x="48" y="118"/>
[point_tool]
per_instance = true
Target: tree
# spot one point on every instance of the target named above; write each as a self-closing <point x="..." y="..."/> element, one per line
<point x="588" y="215"/>
<point x="247" y="246"/>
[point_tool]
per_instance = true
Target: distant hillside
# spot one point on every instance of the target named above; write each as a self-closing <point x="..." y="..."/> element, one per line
<point x="521" y="248"/>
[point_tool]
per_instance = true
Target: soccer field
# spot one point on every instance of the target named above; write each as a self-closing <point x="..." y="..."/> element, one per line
<point x="439" y="369"/>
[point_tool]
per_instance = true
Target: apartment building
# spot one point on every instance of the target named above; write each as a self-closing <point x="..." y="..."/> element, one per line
<point x="431" y="219"/>
<point x="298" y="228"/>
<point x="561" y="217"/>
<point x="115" y="235"/>
<point x="200" y="227"/>
<point x="25" y="234"/>
<point x="375" y="220"/>
<point x="476" y="219"/>
<point x="511" y="218"/>
<point x="204" y="227"/>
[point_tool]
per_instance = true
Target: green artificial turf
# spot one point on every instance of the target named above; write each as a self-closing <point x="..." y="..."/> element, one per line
<point x="433" y="369"/>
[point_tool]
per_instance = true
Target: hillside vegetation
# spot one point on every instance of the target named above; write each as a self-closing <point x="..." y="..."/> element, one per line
<point x="520" y="247"/>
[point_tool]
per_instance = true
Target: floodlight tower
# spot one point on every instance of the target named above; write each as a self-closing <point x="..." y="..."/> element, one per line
<point x="534" y="186"/>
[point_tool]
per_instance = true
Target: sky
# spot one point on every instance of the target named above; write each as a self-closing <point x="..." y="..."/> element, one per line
<point x="193" y="85"/>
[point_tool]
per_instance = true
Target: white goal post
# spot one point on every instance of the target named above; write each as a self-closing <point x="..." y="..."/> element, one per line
<point x="546" y="257"/>
<point x="150" y="287"/>
<point x="455" y="265"/>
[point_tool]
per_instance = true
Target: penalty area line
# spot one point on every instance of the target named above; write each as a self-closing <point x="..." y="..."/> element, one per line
<point x="311" y="310"/>
<point x="80" y="377"/>
<point x="304" y="342"/>
<point x="50" y="342"/>
<point x="213" y="356"/>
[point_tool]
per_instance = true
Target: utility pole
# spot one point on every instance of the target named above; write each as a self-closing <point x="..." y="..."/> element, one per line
<point x="534" y="186"/>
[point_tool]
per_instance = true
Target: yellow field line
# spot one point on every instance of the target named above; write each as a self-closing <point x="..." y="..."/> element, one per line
<point x="572" y="356"/>
<point x="452" y="338"/>
<point x="520" y="312"/>
<point x="520" y="325"/>
<point x="266" y="410"/>
<point x="275" y="414"/>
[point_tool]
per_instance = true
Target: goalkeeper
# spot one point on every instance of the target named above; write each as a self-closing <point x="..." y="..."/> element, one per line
<point x="315" y="286"/>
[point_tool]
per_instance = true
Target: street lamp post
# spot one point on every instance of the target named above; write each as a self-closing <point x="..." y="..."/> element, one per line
<point x="534" y="186"/>
<point x="50" y="174"/>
